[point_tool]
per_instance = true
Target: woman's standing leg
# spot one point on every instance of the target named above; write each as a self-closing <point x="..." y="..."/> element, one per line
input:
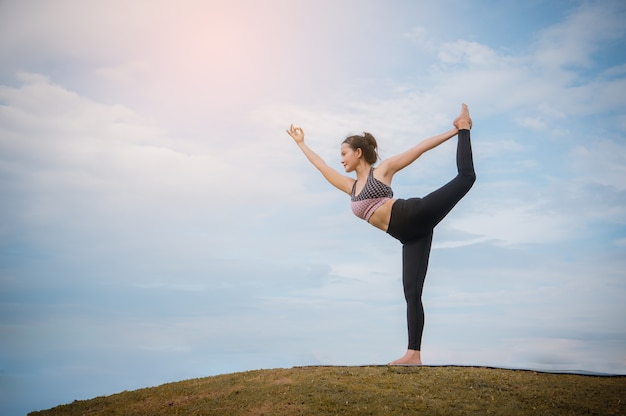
<point x="415" y="255"/>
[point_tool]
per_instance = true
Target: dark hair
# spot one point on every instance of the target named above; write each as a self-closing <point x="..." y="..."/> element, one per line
<point x="367" y="144"/>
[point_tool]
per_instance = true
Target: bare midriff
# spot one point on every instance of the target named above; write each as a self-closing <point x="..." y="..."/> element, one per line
<point x="381" y="217"/>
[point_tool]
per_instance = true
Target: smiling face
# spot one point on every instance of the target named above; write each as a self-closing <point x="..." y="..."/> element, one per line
<point x="350" y="158"/>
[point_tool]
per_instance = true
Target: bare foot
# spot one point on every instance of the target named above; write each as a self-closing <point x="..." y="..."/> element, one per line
<point x="463" y="121"/>
<point x="412" y="357"/>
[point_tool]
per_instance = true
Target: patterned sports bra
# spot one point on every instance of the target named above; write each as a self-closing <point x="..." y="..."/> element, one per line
<point x="374" y="194"/>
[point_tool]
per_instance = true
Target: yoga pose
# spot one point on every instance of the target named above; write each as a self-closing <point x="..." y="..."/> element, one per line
<point x="411" y="221"/>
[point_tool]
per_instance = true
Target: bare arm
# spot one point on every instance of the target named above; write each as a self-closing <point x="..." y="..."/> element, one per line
<point x="390" y="166"/>
<point x="339" y="181"/>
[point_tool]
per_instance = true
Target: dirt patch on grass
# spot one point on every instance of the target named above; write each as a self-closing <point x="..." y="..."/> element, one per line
<point x="368" y="391"/>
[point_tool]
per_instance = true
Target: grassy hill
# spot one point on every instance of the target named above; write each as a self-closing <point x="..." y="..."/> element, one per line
<point x="377" y="390"/>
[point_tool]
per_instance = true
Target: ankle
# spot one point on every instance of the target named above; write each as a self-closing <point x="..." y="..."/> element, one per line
<point x="463" y="123"/>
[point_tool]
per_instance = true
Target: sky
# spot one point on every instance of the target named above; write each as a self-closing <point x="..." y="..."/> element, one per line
<point x="158" y="224"/>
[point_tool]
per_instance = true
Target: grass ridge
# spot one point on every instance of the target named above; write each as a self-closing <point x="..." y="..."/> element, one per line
<point x="368" y="390"/>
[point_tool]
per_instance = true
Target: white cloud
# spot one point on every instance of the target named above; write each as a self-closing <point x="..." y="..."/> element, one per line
<point x="532" y="123"/>
<point x="580" y="35"/>
<point x="600" y="161"/>
<point x="472" y="54"/>
<point x="499" y="214"/>
<point x="417" y="34"/>
<point x="133" y="71"/>
<point x="77" y="143"/>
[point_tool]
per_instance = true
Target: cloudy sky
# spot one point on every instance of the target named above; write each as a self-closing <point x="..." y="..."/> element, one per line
<point x="158" y="224"/>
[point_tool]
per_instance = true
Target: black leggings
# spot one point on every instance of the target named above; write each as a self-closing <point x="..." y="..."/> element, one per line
<point x="412" y="222"/>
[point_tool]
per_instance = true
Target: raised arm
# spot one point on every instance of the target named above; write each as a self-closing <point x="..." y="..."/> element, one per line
<point x="339" y="181"/>
<point x="389" y="167"/>
<point x="392" y="165"/>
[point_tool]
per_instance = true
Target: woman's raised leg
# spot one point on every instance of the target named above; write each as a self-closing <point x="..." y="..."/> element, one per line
<point x="436" y="205"/>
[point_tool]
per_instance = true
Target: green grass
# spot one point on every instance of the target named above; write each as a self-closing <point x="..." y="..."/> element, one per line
<point x="377" y="390"/>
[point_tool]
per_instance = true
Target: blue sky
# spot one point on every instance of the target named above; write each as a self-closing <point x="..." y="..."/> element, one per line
<point x="158" y="224"/>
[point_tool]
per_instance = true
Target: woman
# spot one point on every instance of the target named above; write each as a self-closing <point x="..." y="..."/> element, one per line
<point x="410" y="221"/>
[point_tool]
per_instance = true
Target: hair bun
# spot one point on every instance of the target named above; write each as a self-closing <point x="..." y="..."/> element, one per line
<point x="370" y="139"/>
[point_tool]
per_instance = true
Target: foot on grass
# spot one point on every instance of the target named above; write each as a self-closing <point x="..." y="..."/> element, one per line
<point x="412" y="357"/>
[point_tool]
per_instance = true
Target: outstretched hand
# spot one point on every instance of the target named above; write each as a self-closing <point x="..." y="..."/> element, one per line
<point x="296" y="133"/>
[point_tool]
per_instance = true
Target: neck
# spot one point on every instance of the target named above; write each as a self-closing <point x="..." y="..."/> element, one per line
<point x="362" y="170"/>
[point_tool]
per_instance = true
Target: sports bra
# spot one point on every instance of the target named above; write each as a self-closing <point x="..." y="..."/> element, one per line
<point x="373" y="195"/>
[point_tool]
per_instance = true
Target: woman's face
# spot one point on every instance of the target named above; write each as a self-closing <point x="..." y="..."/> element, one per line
<point x="349" y="157"/>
